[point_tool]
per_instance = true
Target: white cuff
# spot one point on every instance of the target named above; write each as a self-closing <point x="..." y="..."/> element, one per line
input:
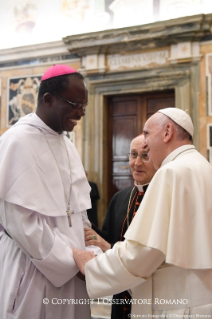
<point x="106" y="275"/>
<point x="59" y="265"/>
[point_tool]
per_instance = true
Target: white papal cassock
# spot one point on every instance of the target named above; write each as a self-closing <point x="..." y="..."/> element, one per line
<point x="37" y="262"/>
<point x="166" y="258"/>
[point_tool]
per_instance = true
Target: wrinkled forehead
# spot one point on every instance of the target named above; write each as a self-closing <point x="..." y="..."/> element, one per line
<point x="152" y="124"/>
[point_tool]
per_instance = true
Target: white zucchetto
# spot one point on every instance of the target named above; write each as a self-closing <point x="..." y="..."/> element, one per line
<point x="180" y="117"/>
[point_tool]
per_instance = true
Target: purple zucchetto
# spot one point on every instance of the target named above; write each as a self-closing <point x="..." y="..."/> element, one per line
<point x="57" y="70"/>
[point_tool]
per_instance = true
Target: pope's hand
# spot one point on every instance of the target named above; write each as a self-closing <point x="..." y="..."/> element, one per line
<point x="81" y="258"/>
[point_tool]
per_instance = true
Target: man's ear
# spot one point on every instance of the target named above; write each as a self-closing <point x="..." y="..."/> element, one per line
<point x="168" y="132"/>
<point x="48" y="98"/>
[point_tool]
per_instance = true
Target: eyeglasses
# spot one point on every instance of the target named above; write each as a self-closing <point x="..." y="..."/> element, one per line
<point x="75" y="105"/>
<point x="143" y="156"/>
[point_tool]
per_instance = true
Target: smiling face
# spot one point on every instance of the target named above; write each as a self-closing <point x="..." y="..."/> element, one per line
<point x="142" y="172"/>
<point x="62" y="115"/>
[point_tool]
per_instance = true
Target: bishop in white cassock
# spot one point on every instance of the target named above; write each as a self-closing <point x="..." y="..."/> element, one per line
<point x="42" y="179"/>
<point x="166" y="258"/>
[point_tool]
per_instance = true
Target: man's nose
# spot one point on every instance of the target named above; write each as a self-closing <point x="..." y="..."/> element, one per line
<point x="81" y="111"/>
<point x="138" y="161"/>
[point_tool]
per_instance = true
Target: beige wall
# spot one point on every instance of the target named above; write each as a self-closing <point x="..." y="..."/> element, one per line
<point x="204" y="119"/>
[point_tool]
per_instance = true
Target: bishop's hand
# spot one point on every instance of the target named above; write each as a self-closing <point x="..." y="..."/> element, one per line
<point x="81" y="258"/>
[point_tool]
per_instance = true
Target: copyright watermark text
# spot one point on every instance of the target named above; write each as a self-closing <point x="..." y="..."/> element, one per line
<point x="171" y="315"/>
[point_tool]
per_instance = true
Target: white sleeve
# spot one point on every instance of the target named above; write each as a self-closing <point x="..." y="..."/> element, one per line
<point x="140" y="260"/>
<point x="125" y="266"/>
<point x="45" y="246"/>
<point x="87" y="224"/>
<point x="85" y="220"/>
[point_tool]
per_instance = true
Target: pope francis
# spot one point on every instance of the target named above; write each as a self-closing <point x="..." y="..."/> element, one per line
<point x="166" y="258"/>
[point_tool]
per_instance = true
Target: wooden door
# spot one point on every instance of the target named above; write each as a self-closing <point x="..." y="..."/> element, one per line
<point x="126" y="117"/>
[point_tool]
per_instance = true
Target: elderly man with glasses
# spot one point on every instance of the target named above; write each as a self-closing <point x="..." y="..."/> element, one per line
<point x="121" y="211"/>
<point x="44" y="195"/>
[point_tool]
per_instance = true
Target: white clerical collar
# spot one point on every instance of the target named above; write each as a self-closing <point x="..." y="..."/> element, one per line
<point x="46" y="127"/>
<point x="140" y="187"/>
<point x="177" y="152"/>
<point x="34" y="120"/>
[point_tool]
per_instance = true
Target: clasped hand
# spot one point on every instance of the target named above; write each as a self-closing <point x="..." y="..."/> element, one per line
<point x="81" y="258"/>
<point x="92" y="238"/>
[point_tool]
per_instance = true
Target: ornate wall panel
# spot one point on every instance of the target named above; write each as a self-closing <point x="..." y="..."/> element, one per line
<point x="22" y="97"/>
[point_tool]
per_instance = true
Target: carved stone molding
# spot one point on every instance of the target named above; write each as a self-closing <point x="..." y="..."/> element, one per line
<point x="183" y="52"/>
<point x="49" y="49"/>
<point x="158" y="34"/>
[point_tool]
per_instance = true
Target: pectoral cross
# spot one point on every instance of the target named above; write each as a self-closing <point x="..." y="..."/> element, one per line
<point x="69" y="212"/>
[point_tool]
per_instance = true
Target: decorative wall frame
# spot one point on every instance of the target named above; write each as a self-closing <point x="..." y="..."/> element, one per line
<point x="209" y="142"/>
<point x="209" y="82"/>
<point x="22" y="95"/>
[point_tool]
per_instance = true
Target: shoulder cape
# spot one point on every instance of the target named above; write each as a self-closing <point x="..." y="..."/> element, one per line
<point x="175" y="215"/>
<point x="29" y="173"/>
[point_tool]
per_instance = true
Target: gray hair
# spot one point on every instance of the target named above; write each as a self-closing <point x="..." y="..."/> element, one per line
<point x="134" y="139"/>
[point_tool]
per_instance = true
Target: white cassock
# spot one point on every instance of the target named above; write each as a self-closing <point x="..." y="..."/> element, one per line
<point x="166" y="258"/>
<point x="37" y="262"/>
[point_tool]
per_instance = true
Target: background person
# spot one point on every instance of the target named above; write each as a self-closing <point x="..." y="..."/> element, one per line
<point x="167" y="252"/>
<point x="44" y="195"/>
<point x="121" y="211"/>
<point x="94" y="194"/>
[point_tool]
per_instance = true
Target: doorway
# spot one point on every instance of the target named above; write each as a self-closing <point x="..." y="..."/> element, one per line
<point x="126" y="117"/>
